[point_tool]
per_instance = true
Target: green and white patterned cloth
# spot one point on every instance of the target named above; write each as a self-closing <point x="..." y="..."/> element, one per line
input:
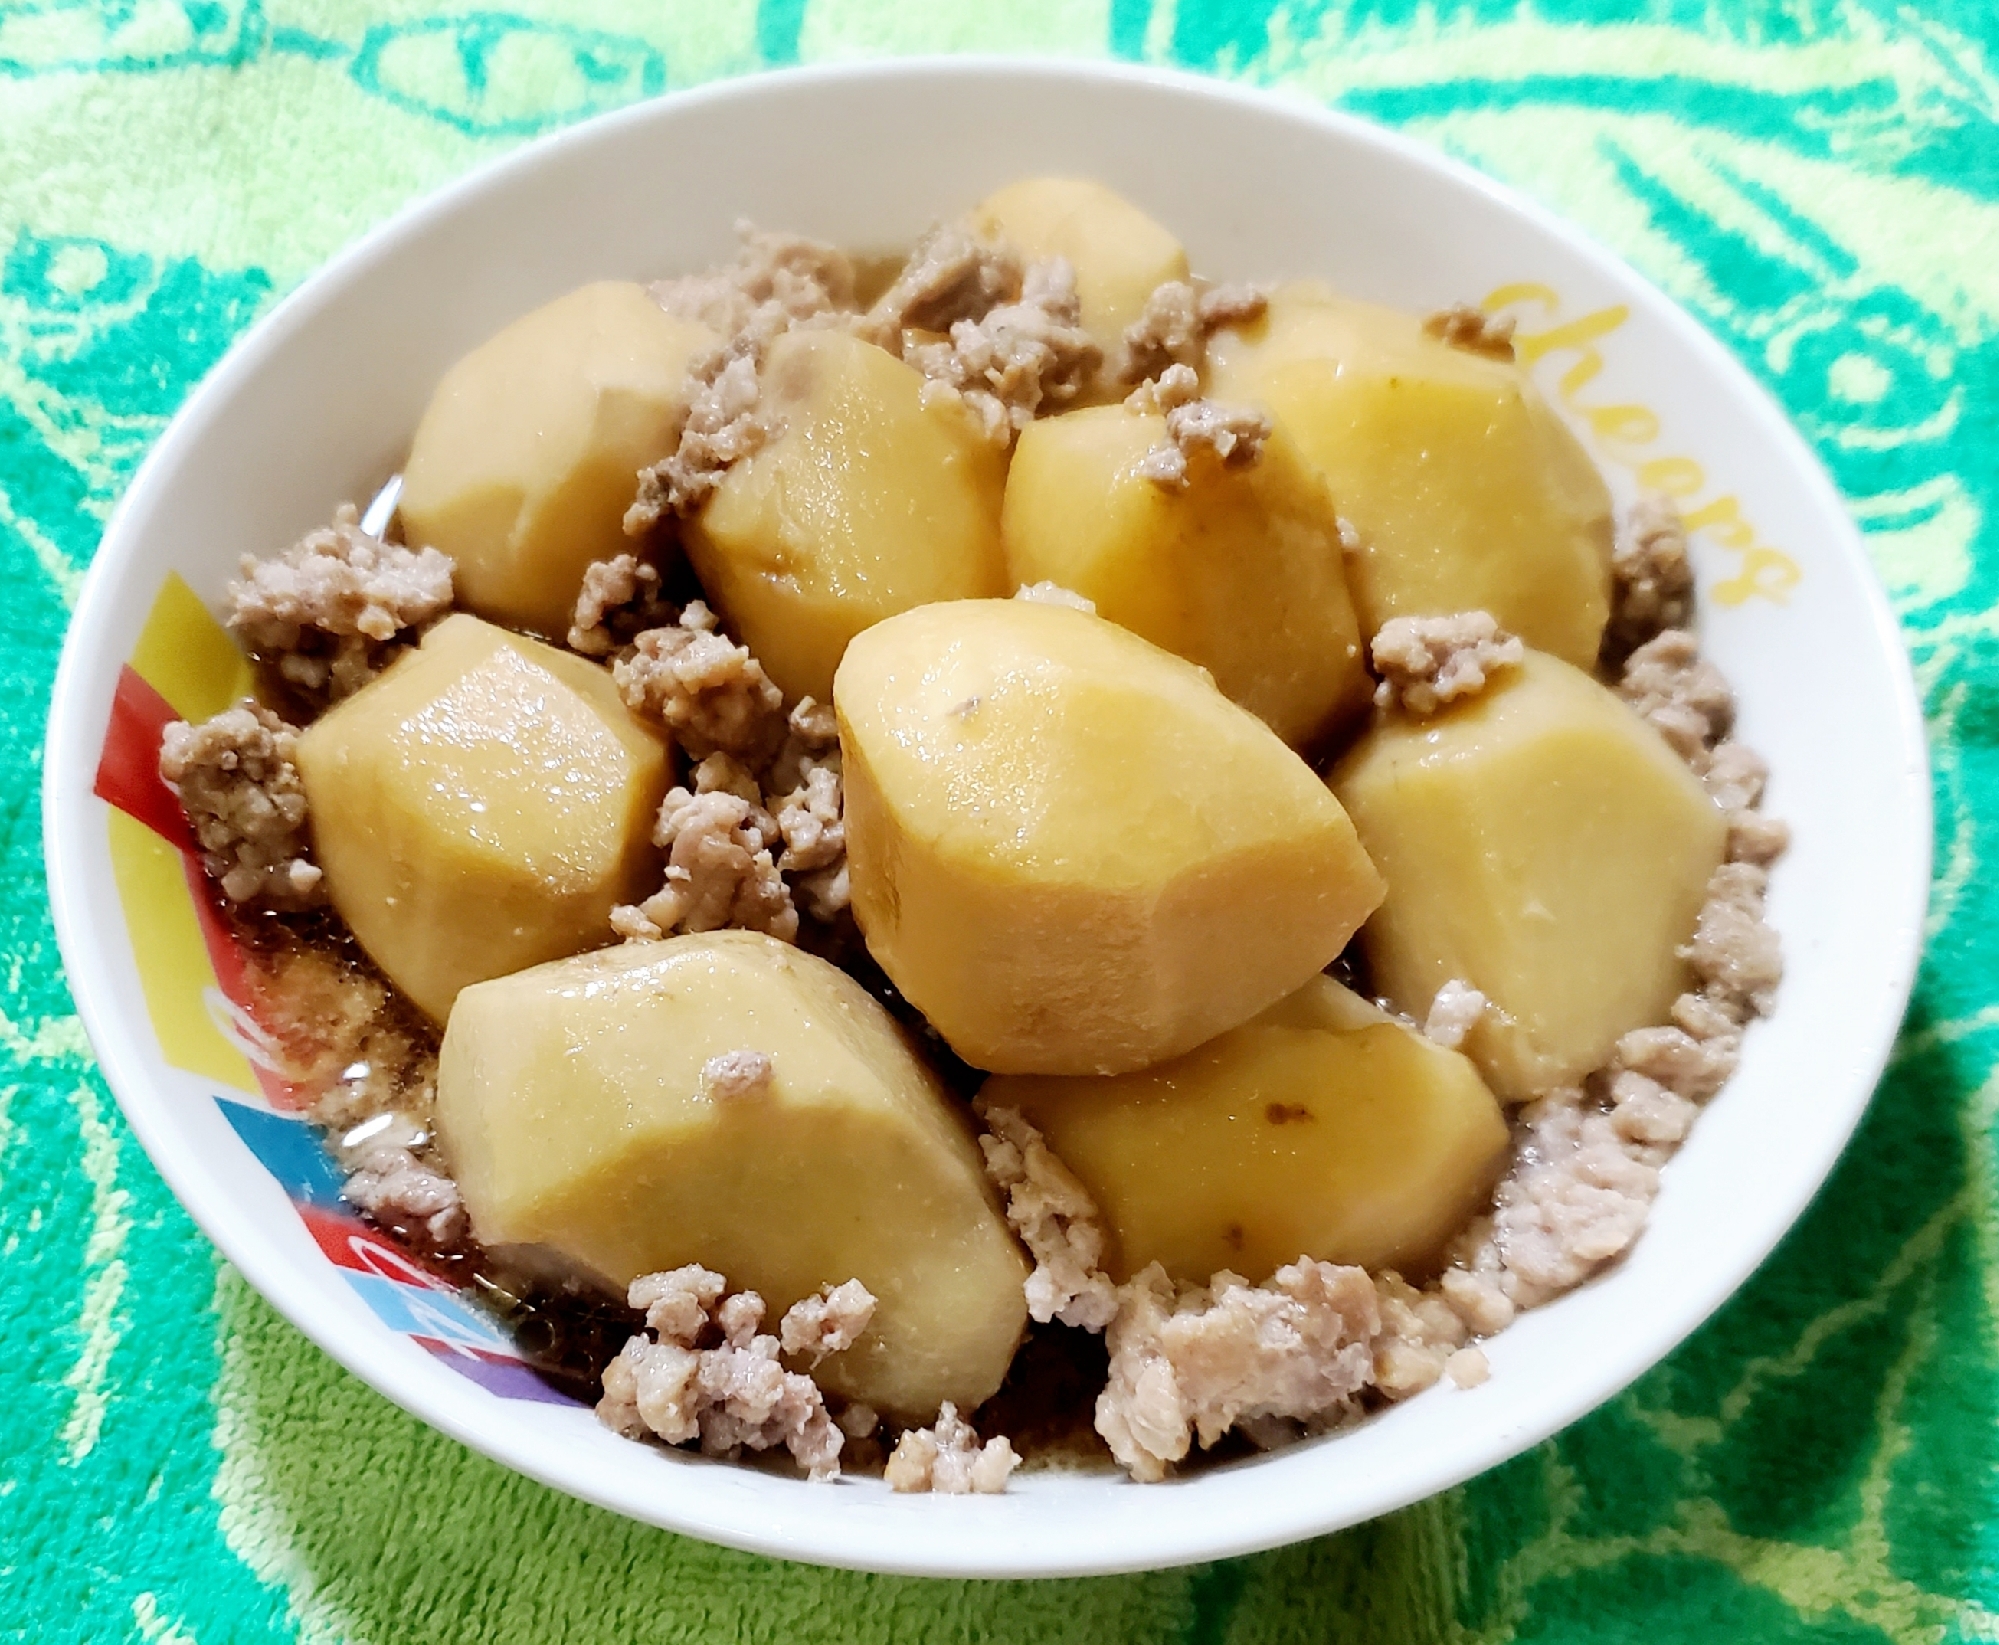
<point x="1817" y="179"/>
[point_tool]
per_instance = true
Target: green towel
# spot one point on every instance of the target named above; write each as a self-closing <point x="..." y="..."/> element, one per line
<point x="1817" y="179"/>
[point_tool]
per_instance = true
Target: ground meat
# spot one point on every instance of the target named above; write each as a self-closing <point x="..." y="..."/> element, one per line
<point x="677" y="1302"/>
<point x="1173" y="388"/>
<point x="1232" y="303"/>
<point x="619" y="601"/>
<point x="1166" y="466"/>
<point x="1196" y="1361"/>
<point x="732" y="1396"/>
<point x="809" y="809"/>
<point x="1735" y="775"/>
<point x="1702" y="1017"/>
<point x="1468" y="1367"/>
<point x="824" y="893"/>
<point x="723" y="773"/>
<point x="1234" y="434"/>
<point x="1464" y="326"/>
<point x="327" y="610"/>
<point x="719" y="872"/>
<point x="1696" y="1068"/>
<point x="1685" y="697"/>
<point x="1056" y="1220"/>
<point x="1018" y="362"/>
<point x="1297" y="1354"/>
<point x="238" y="783"/>
<point x="828" y="1322"/>
<point x="1475" y="1284"/>
<point x="803" y="279"/>
<point x="814" y="724"/>
<point x="948" y="1458"/>
<point x="1734" y="954"/>
<point x="1425" y="662"/>
<point x="714" y="297"/>
<point x="811" y="739"/>
<point x="811" y="821"/>
<point x="952" y="275"/>
<point x="736" y="1075"/>
<point x="725" y="422"/>
<point x="403" y="1189"/>
<point x="1647" y="1115"/>
<point x="707" y="690"/>
<point x="1737" y="958"/>
<point x="1651" y="576"/>
<point x="1419" y="1334"/>
<point x="1192" y="1362"/>
<point x="732" y="838"/>
<point x="1755" y="838"/>
<point x="1168" y="333"/>
<point x="1180" y="316"/>
<point x="1586" y="1166"/>
<point x="1053" y="593"/>
<point x="778" y="282"/>
<point x="1454" y="1013"/>
<point x="1577" y="1196"/>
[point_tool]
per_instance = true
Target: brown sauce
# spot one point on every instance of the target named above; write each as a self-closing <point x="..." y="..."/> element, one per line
<point x="340" y="1028"/>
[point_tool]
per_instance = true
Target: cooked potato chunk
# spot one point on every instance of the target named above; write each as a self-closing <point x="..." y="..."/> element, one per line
<point x="529" y="452"/>
<point x="1068" y="849"/>
<point x="1323" y="1128"/>
<point x="1118" y="252"/>
<point x="869" y="502"/>
<point x="1468" y="492"/>
<point x="1241" y="572"/>
<point x="480" y="808"/>
<point x="1542" y="844"/>
<point x="728" y="1100"/>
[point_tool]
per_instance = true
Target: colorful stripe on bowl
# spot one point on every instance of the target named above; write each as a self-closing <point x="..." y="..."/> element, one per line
<point x="204" y="1014"/>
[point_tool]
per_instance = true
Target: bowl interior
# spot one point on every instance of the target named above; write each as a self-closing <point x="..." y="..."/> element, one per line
<point x="316" y="405"/>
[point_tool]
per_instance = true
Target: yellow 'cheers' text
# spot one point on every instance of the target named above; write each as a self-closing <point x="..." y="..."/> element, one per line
<point x="1623" y="431"/>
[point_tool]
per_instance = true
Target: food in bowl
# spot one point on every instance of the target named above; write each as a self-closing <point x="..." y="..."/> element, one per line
<point x="1279" y="942"/>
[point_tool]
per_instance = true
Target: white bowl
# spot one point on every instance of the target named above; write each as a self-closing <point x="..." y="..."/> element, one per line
<point x="317" y="403"/>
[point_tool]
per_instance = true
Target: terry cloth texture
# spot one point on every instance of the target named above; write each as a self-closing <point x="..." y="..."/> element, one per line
<point x="1817" y="179"/>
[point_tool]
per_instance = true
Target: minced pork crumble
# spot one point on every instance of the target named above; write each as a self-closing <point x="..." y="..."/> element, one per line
<point x="720" y="836"/>
<point x="1426" y="662"/>
<point x="709" y="692"/>
<point x="1180" y="316"/>
<point x="707" y="1373"/>
<point x="1453" y="1014"/>
<point x="1234" y="434"/>
<point x="948" y="1458"/>
<point x="620" y="600"/>
<point x="952" y="275"/>
<point x="1468" y="327"/>
<point x="785" y="273"/>
<point x="330" y="609"/>
<point x="755" y="832"/>
<point x="241" y="791"/>
<point x="1020" y="360"/>
<point x="1652" y="576"/>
